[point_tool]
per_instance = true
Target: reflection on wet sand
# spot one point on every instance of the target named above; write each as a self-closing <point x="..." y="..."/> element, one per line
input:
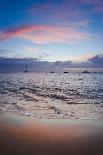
<point x="20" y="135"/>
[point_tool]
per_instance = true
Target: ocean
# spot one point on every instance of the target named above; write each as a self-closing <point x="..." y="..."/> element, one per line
<point x="53" y="95"/>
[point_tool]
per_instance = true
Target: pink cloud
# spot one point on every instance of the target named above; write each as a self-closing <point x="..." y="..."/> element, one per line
<point x="14" y="32"/>
<point x="45" y="34"/>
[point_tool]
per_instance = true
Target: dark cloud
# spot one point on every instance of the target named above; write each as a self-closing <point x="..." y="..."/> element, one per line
<point x="98" y="59"/>
<point x="18" y="64"/>
<point x="62" y="64"/>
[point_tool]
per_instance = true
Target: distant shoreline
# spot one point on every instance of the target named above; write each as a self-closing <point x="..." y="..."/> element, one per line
<point x="47" y="72"/>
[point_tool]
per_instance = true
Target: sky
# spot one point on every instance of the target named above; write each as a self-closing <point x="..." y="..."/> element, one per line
<point x="52" y="30"/>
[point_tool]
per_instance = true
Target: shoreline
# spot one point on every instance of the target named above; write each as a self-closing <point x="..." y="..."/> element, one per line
<point x="36" y="117"/>
<point x="23" y="135"/>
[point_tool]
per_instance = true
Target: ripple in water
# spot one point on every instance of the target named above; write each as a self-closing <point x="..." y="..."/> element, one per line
<point x="45" y="95"/>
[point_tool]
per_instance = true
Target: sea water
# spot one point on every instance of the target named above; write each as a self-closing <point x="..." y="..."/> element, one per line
<point x="53" y="95"/>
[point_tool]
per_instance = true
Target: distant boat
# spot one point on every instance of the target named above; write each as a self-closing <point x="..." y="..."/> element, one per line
<point x="51" y="72"/>
<point x="85" y="72"/>
<point x="65" y="72"/>
<point x="26" y="69"/>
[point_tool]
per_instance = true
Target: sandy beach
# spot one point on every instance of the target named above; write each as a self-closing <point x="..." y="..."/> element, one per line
<point x="21" y="135"/>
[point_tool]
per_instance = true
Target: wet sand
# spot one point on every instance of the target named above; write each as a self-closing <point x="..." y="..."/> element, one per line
<point x="21" y="135"/>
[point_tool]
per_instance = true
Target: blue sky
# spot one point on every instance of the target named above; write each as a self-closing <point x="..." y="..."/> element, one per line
<point x="52" y="30"/>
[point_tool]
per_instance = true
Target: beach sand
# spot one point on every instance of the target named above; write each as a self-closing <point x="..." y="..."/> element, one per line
<point x="21" y="135"/>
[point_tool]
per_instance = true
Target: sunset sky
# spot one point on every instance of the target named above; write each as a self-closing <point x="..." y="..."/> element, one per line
<point x="52" y="30"/>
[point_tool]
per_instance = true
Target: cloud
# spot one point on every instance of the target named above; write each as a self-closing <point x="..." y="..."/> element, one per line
<point x="18" y="64"/>
<point x="46" y="34"/>
<point x="62" y="64"/>
<point x="97" y="59"/>
<point x="14" y="32"/>
<point x="5" y="53"/>
<point x="33" y="52"/>
<point x="68" y="14"/>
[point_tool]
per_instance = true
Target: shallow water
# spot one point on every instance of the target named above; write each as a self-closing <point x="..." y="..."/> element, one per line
<point x="58" y="95"/>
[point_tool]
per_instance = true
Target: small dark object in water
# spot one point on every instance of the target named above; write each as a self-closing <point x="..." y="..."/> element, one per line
<point x="51" y="72"/>
<point x="80" y="79"/>
<point x="85" y="72"/>
<point x="65" y="72"/>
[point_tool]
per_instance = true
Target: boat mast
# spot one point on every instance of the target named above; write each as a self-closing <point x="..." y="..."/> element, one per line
<point x="26" y="68"/>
